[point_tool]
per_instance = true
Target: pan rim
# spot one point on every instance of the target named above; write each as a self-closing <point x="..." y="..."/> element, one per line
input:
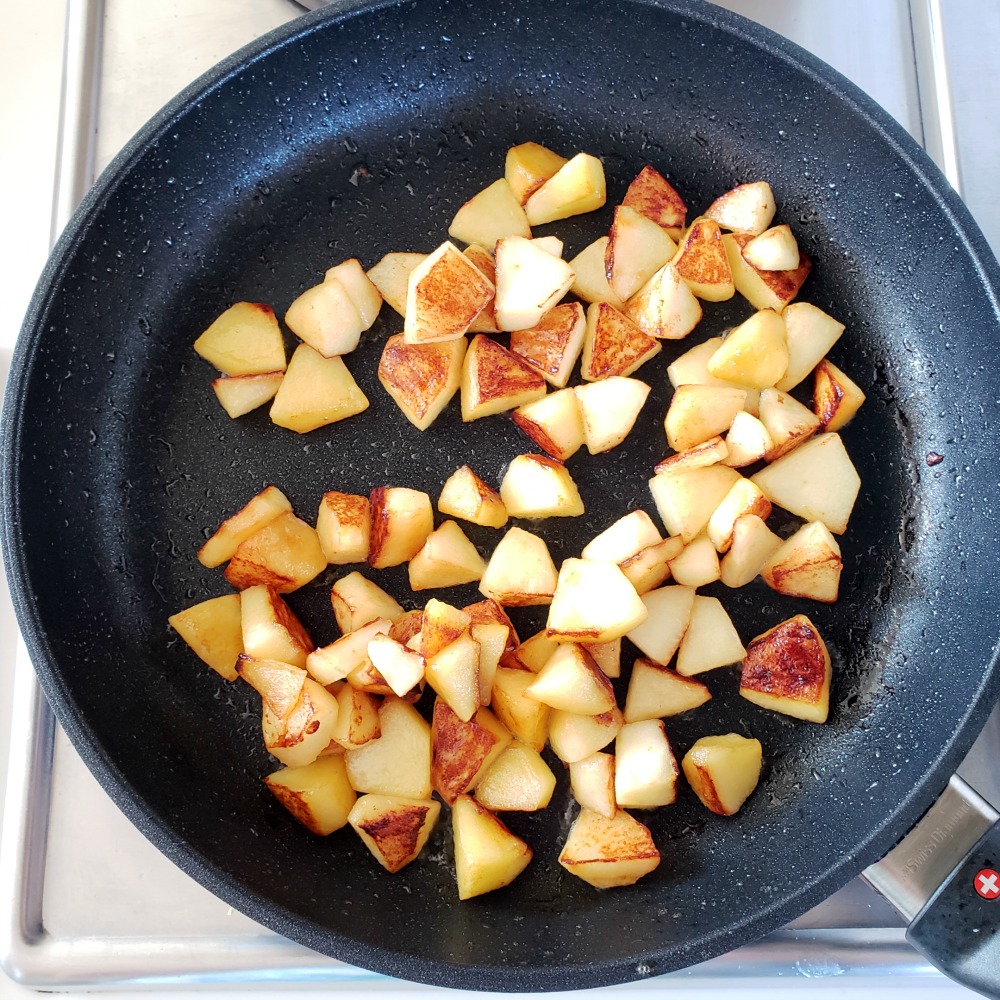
<point x="198" y="865"/>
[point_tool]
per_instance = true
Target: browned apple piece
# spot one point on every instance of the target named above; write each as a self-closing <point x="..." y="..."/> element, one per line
<point x="637" y="248"/>
<point x="593" y="602"/>
<point x="520" y="572"/>
<point x="244" y="340"/>
<point x="285" y="554"/>
<point x="554" y="423"/>
<point x="787" y="670"/>
<point x="808" y="564"/>
<point x="421" y="378"/>
<point x="391" y="276"/>
<point x="788" y="423"/>
<point x="462" y="752"/>
<point x="343" y="524"/>
<point x="270" y="629"/>
<point x="571" y="681"/>
<point x="399" y="761"/>
<point x="447" y="559"/>
<point x="747" y="208"/>
<point x="357" y="601"/>
<point x="609" y="853"/>
<point x="466" y="496"/>
<point x="343" y="656"/>
<point x="485" y="322"/>
<point x="552" y="346"/>
<point x="299" y="737"/>
<point x="488" y="612"/>
<point x="258" y="512"/>
<point x="699" y="456"/>
<point x="494" y="380"/>
<point x="593" y="783"/>
<point x="492" y="638"/>
<point x="213" y="630"/>
<point x="665" y="306"/>
<point x="446" y="292"/>
<point x="532" y="654"/>
<point x="401" y="521"/>
<point x="395" y="829"/>
<point x="454" y="674"/>
<point x="754" y="354"/>
<point x="278" y="684"/>
<point x="318" y="795"/>
<point x="407" y="625"/>
<point x="528" y="166"/>
<point x="744" y="497"/>
<point x="764" y="289"/>
<point x="702" y="262"/>
<point x="650" y="568"/>
<point x="723" y="771"/>
<point x="357" y="718"/>
<point x="401" y="668"/>
<point x="835" y="397"/>
<point x="442" y="625"/>
<point x="654" y="196"/>
<point x="487" y="855"/>
<point x="613" y="344"/>
<point x="525" y="718"/>
<point x="490" y="215"/>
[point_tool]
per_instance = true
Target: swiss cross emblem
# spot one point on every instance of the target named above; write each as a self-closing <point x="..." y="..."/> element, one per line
<point x="987" y="883"/>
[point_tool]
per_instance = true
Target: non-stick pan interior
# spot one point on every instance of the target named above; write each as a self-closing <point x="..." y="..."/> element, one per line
<point x="357" y="136"/>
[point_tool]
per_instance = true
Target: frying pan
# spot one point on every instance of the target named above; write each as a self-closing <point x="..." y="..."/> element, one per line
<point x="359" y="130"/>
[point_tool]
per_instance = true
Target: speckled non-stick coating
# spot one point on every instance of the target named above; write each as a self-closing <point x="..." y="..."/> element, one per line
<point x="352" y="133"/>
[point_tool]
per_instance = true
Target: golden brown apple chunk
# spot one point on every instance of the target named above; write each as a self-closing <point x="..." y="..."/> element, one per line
<point x="446" y="292"/>
<point x="553" y="345"/>
<point x="613" y="344"/>
<point x="318" y="795"/>
<point x="747" y="208"/>
<point x="343" y="524"/>
<point x="271" y="629"/>
<point x="285" y="554"/>
<point x="702" y="262"/>
<point x="835" y="397"/>
<point x="529" y="166"/>
<point x="213" y="630"/>
<point x="609" y="852"/>
<point x="259" y="511"/>
<point x="466" y="496"/>
<point x="655" y="197"/>
<point x="494" y="380"/>
<point x="401" y="521"/>
<point x="421" y="378"/>
<point x="462" y="752"/>
<point x="723" y="771"/>
<point x="244" y="340"/>
<point x="394" y="828"/>
<point x="536" y="486"/>
<point x="764" y="289"/>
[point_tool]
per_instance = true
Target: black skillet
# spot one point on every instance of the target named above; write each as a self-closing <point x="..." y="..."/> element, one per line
<point x="360" y="130"/>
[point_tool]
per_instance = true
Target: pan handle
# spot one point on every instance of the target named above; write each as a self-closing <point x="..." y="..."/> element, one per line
<point x="944" y="879"/>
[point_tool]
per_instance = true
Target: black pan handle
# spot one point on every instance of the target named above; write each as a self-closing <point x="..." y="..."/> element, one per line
<point x="944" y="879"/>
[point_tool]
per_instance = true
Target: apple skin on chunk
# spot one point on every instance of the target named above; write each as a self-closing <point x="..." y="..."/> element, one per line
<point x="787" y="669"/>
<point x="609" y="853"/>
<point x="285" y="554"/>
<point x="578" y="186"/>
<point x="357" y="718"/>
<point x="536" y="486"/>
<point x="214" y="631"/>
<point x="394" y="828"/>
<point x="613" y="344"/>
<point x="744" y="497"/>
<point x="421" y="378"/>
<point x="466" y="496"/>
<point x="259" y="511"/>
<point x="244" y="340"/>
<point x="402" y="519"/>
<point x="391" y="276"/>
<point x="533" y="653"/>
<point x="494" y="380"/>
<point x="520" y="572"/>
<point x="528" y="166"/>
<point x="553" y="345"/>
<point x="318" y="795"/>
<point x="441" y="625"/>
<point x="316" y="391"/>
<point x="723" y="771"/>
<point x="654" y="196"/>
<point x="529" y="282"/>
<point x="487" y="855"/>
<point x="490" y="215"/>
<point x="593" y="602"/>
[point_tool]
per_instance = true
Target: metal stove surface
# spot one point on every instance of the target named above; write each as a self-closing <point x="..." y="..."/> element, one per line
<point x="91" y="904"/>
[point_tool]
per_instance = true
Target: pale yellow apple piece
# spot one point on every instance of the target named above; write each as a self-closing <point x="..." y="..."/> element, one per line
<point x="490" y="215"/>
<point x="214" y="632"/>
<point x="445" y="293"/>
<point x="723" y="771"/>
<point x="447" y="559"/>
<point x="520" y="572"/>
<point x="609" y="409"/>
<point x="492" y="638"/>
<point x="454" y="674"/>
<point x="279" y="684"/>
<point x="462" y="751"/>
<point x="536" y="486"/>
<point x="590" y="281"/>
<point x="494" y="380"/>
<point x="306" y="732"/>
<point x="571" y="681"/>
<point x="518" y="780"/>
<point x="554" y="423"/>
<point x="357" y="601"/>
<point x="609" y="853"/>
<point x="270" y="629"/>
<point x="745" y="497"/>
<point x="627" y="536"/>
<point x="401" y="521"/>
<point x="394" y="828"/>
<point x="239" y="394"/>
<point x="787" y="421"/>
<point x="747" y="208"/>
<point x="593" y="602"/>
<point x="817" y="482"/>
<point x="711" y="639"/>
<point x="488" y="612"/>
<point x="357" y="718"/>
<point x="700" y="412"/>
<point x="763" y="289"/>
<point x="592" y="781"/>
<point x="650" y="568"/>
<point x="691" y="368"/>
<point x="668" y="613"/>
<point x="285" y="554"/>
<point x="258" y="512"/>
<point x="574" y="737"/>
<point x="697" y="564"/>
<point x="655" y="692"/>
<point x="326" y="318"/>
<point x="525" y="718"/>
<point x="421" y="378"/>
<point x="787" y="670"/>
<point x="613" y="344"/>
<point x="652" y="195"/>
<point x="747" y="441"/>
<point x="637" y="248"/>
<point x="553" y="345"/>
<point x="466" y="496"/>
<point x="399" y="761"/>
<point x="646" y="770"/>
<point x="244" y="340"/>
<point x="391" y="276"/>
<point x="529" y="282"/>
<point x="702" y="262"/>
<point x="315" y="391"/>
<point x="699" y="456"/>
<point x="836" y="399"/>
<point x="528" y="166"/>
<point x="752" y="545"/>
<point x="318" y="795"/>
<point x="808" y="564"/>
<point x="366" y="297"/>
<point x="487" y="855"/>
<point x="754" y="354"/>
<point x="578" y="186"/>
<point x="343" y="656"/>
<point x="686" y="500"/>
<point x="665" y="306"/>
<point x="533" y="653"/>
<point x="775" y="249"/>
<point x="811" y="333"/>
<point x="402" y="668"/>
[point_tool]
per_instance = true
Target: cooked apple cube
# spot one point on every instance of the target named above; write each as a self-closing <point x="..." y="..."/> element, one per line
<point x="344" y="527"/>
<point x="258" y="512"/>
<point x="554" y="423"/>
<point x="278" y="684"/>
<point x="691" y="368"/>
<point x="490" y="215"/>
<point x="593" y="602"/>
<point x="363" y="293"/>
<point x="357" y="718"/>
<point x="787" y="670"/>
<point x="525" y="718"/>
<point x="391" y="276"/>
<point x="492" y="638"/>
<point x="517" y="780"/>
<point x="487" y="855"/>
<point x="399" y="761"/>
<point x="285" y="554"/>
<point x="668" y="613"/>
<point x="572" y="682"/>
<point x="326" y="318"/>
<point x="402" y="519"/>
<point x="270" y="630"/>
<point x="574" y="737"/>
<point x="421" y="378"/>
<point x="808" y="564"/>
<point x="485" y="322"/>
<point x="441" y="625"/>
<point x="627" y="536"/>
<point x="754" y="354"/>
<point x="239" y="394"/>
<point x="315" y="391"/>
<point x="835" y="397"/>
<point x="609" y="409"/>
<point x="301" y="736"/>
<point x="607" y="655"/>
<point x="533" y="653"/>
<point x="318" y="795"/>
<point x="447" y="559"/>
<point x="775" y="249"/>
<point x="357" y="601"/>
<point x="655" y="692"/>
<point x="578" y="186"/>
<point x="702" y="262"/>
<point x="697" y="564"/>
<point x="528" y="167"/>
<point x="494" y="380"/>
<point x="752" y="545"/>
<point x="488" y="612"/>
<point x="763" y="289"/>
<point x="723" y="771"/>
<point x="747" y="208"/>
<point x="244" y="340"/>
<point x="787" y="421"/>
<point x="520" y="572"/>
<point x="454" y="674"/>
<point x="650" y="568"/>
<point x="213" y="630"/>
<point x="343" y="656"/>
<point x="747" y="441"/>
<point x="592" y="781"/>
<point x="552" y="346"/>
<point x="408" y="627"/>
<point x="817" y="482"/>
<point x="653" y="196"/>
<point x="810" y="335"/>
<point x="367" y="679"/>
<point x="645" y="767"/>
<point x="537" y="486"/>
<point x="466" y="496"/>
<point x="700" y="412"/>
<point x="665" y="306"/>
<point x="613" y="344"/>
<point x="699" y="456"/>
<point x="462" y="751"/>
<point x="637" y="248"/>
<point x="402" y="668"/>
<point x="745" y="497"/>
<point x="710" y="641"/>
<point x="609" y="852"/>
<point x="590" y="281"/>
<point x="394" y="828"/>
<point x="687" y="499"/>
<point x="529" y="283"/>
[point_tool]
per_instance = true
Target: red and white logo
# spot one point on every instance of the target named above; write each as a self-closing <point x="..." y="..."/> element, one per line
<point x="987" y="883"/>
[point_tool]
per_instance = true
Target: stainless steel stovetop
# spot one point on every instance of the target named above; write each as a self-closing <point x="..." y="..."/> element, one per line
<point x="87" y="903"/>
